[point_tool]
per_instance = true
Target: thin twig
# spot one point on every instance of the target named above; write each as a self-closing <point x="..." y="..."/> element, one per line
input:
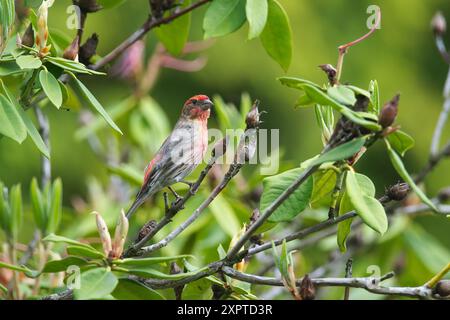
<point x="172" y="210"/>
<point x="348" y="274"/>
<point x="344" y="48"/>
<point x="370" y="284"/>
<point x="146" y="27"/>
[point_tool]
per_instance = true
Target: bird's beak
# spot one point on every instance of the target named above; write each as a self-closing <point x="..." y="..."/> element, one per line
<point x="207" y="104"/>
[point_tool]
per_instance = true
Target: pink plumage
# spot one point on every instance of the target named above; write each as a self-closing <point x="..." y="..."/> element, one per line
<point x="180" y="153"/>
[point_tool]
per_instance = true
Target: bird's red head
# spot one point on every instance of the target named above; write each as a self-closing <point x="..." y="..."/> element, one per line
<point x="197" y="107"/>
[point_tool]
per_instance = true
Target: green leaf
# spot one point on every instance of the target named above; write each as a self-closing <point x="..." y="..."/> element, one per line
<point x="225" y="215"/>
<point x="3" y="289"/>
<point x="11" y="124"/>
<point x="142" y="262"/>
<point x="341" y="152"/>
<point x="51" y="88"/>
<point x="9" y="67"/>
<point x="37" y="201"/>
<point x="275" y="185"/>
<point x="174" y="35"/>
<point x="276" y="37"/>
<point x="55" y="212"/>
<point x="16" y="210"/>
<point x="256" y="12"/>
<point x="84" y="252"/>
<point x="401" y="170"/>
<point x="96" y="284"/>
<point x="433" y="253"/>
<point x="375" y="96"/>
<point x="344" y="227"/>
<point x="14" y="267"/>
<point x="128" y="289"/>
<point x="7" y="15"/>
<point x="296" y="83"/>
<point x="146" y="272"/>
<point x="323" y="186"/>
<point x="70" y="65"/>
<point x="281" y="261"/>
<point x="62" y="264"/>
<point x="401" y="141"/>
<point x="223" y="17"/>
<point x="95" y="104"/>
<point x="29" y="62"/>
<point x="5" y="211"/>
<point x="367" y="207"/>
<point x="32" y="131"/>
<point x="59" y="239"/>
<point x="342" y="95"/>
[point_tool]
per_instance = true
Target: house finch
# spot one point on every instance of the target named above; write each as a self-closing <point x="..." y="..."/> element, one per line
<point x="180" y="153"/>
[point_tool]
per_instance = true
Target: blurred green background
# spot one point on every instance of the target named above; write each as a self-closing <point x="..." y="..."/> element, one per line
<point x="401" y="56"/>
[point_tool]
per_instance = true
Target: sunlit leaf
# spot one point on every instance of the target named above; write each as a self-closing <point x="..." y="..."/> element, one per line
<point x="256" y="12"/>
<point x="96" y="284"/>
<point x="223" y="17"/>
<point x="277" y="35"/>
<point x="51" y="88"/>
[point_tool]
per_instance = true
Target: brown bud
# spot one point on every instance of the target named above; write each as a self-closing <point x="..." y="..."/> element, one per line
<point x="71" y="52"/>
<point x="146" y="229"/>
<point x="307" y="289"/>
<point x="444" y="195"/>
<point x="252" y="119"/>
<point x="389" y="112"/>
<point x="88" y="6"/>
<point x="220" y="148"/>
<point x="105" y="237"/>
<point x="442" y="288"/>
<point x="330" y="71"/>
<point x="88" y="49"/>
<point x="28" y="36"/>
<point x="438" y="23"/>
<point x="398" y="191"/>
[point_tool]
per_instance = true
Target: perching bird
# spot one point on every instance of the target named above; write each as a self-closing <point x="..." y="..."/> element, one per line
<point x="180" y="153"/>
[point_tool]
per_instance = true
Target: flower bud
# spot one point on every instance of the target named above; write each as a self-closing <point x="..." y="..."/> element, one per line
<point x="71" y="52"/>
<point x="442" y="288"/>
<point x="389" y="112"/>
<point x="220" y="148"/>
<point x="307" y="289"/>
<point x="104" y="233"/>
<point x="131" y="64"/>
<point x="398" y="191"/>
<point x="42" y="32"/>
<point x="438" y="24"/>
<point x="88" y="6"/>
<point x="120" y="235"/>
<point x="252" y="119"/>
<point x="88" y="49"/>
<point x="444" y="195"/>
<point x="28" y="36"/>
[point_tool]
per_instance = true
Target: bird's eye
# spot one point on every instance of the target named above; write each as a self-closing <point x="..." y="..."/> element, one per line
<point x="194" y="101"/>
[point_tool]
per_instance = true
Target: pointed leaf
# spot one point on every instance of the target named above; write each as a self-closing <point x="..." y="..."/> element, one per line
<point x="51" y="88"/>
<point x="16" y="210"/>
<point x="128" y="289"/>
<point x="223" y="17"/>
<point x="401" y="141"/>
<point x="368" y="208"/>
<point x="62" y="264"/>
<point x="95" y="104"/>
<point x="55" y="206"/>
<point x="34" y="133"/>
<point x="256" y="11"/>
<point x="275" y="185"/>
<point x="401" y="170"/>
<point x="341" y="152"/>
<point x="37" y="202"/>
<point x="84" y="252"/>
<point x="276" y="36"/>
<point x="11" y="124"/>
<point x="59" y="239"/>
